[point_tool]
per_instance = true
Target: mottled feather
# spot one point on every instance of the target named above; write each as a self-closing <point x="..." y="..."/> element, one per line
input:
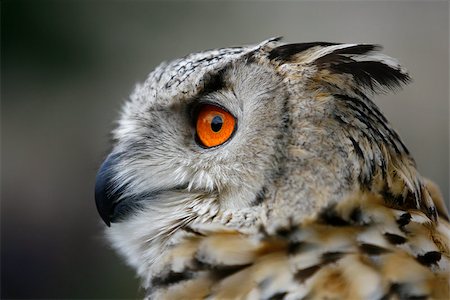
<point x="373" y="257"/>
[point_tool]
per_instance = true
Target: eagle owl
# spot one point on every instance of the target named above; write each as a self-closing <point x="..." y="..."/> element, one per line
<point x="266" y="172"/>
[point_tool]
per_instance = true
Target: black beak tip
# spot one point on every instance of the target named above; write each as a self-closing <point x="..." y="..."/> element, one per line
<point x="104" y="198"/>
<point x="102" y="210"/>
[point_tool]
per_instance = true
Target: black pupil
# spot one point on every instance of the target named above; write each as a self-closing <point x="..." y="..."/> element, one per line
<point x="216" y="123"/>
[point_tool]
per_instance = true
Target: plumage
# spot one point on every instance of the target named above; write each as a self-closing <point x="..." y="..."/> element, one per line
<point x="310" y="194"/>
<point x="368" y="256"/>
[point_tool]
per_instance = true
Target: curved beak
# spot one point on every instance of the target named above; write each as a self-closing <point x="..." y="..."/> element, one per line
<point x="106" y="195"/>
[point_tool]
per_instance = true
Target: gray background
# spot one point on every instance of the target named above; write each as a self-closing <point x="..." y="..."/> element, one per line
<point x="68" y="66"/>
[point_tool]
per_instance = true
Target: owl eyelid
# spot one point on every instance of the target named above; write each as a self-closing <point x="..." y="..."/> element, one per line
<point x="196" y="107"/>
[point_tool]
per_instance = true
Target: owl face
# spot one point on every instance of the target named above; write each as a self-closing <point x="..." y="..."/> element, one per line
<point x="224" y="141"/>
<point x="248" y="135"/>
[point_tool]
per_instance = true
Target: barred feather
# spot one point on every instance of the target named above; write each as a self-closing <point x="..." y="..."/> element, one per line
<point x="373" y="252"/>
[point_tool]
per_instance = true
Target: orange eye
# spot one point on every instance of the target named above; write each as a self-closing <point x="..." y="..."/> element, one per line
<point x="214" y="125"/>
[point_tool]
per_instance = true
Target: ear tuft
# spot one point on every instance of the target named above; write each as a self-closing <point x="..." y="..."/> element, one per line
<point x="374" y="75"/>
<point x="286" y="52"/>
<point x="367" y="69"/>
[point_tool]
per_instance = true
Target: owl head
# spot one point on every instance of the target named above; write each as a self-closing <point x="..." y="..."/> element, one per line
<point x="252" y="135"/>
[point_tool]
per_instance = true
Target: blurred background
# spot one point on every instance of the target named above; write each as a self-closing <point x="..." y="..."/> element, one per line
<point x="66" y="68"/>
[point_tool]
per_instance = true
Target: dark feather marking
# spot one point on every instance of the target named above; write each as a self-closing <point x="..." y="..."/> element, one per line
<point x="294" y="247"/>
<point x="403" y="291"/>
<point x="284" y="232"/>
<point x="372" y="249"/>
<point x="358" y="49"/>
<point x="365" y="114"/>
<point x="331" y="257"/>
<point x="302" y="275"/>
<point x="297" y="247"/>
<point x="338" y="56"/>
<point x="329" y="216"/>
<point x="356" y="216"/>
<point x="384" y="122"/>
<point x="395" y="239"/>
<point x="394" y="289"/>
<point x="432" y="213"/>
<point x="327" y="258"/>
<point x="287" y="230"/>
<point x="383" y="167"/>
<point x="372" y="73"/>
<point x="368" y="107"/>
<point x="429" y="258"/>
<point x="260" y="196"/>
<point x="183" y="73"/>
<point x="285" y="52"/>
<point x="357" y="148"/>
<point x="356" y="145"/>
<point x="391" y="198"/>
<point x="375" y="137"/>
<point x="278" y="296"/>
<point x="373" y="106"/>
<point x="399" y="200"/>
<point x="404" y="220"/>
<point x="171" y="278"/>
<point x="339" y="118"/>
<point x="225" y="271"/>
<point x="250" y="57"/>
<point x="213" y="82"/>
<point x="262" y="230"/>
<point x="326" y="61"/>
<point x="219" y="271"/>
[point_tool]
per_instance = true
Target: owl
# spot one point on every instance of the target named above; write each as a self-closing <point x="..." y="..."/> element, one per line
<point x="266" y="172"/>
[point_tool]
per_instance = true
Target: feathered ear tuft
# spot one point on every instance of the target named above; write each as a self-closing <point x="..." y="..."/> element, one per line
<point x="287" y="52"/>
<point x="375" y="75"/>
<point x="359" y="67"/>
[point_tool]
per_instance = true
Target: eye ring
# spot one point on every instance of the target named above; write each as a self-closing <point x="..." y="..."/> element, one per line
<point x="213" y="125"/>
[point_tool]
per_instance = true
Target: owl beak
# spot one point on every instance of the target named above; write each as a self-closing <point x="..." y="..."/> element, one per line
<point x="106" y="195"/>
